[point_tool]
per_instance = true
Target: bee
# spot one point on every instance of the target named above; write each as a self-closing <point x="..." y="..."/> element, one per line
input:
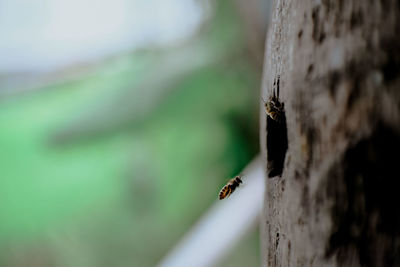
<point x="274" y="109"/>
<point x="228" y="189"/>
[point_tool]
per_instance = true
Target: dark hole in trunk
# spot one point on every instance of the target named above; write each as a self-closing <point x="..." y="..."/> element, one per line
<point x="277" y="144"/>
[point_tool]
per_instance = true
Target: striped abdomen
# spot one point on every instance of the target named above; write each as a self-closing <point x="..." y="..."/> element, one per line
<point x="228" y="189"/>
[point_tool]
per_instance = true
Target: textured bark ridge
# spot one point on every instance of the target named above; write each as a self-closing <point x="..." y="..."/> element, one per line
<point x="335" y="201"/>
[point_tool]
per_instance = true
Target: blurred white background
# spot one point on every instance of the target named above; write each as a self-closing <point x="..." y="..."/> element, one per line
<point x="42" y="35"/>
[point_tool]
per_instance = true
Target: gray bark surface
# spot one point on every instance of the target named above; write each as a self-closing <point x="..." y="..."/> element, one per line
<point x="336" y="202"/>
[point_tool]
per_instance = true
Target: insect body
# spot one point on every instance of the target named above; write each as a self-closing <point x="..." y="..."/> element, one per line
<point x="230" y="187"/>
<point x="274" y="109"/>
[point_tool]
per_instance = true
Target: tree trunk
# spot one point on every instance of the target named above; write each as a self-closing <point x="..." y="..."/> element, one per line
<point x="334" y="193"/>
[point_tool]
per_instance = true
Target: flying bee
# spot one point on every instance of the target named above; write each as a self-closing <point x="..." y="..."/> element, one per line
<point x="228" y="189"/>
<point x="274" y="109"/>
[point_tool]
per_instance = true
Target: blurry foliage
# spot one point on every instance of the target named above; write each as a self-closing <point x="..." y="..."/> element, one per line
<point x="84" y="184"/>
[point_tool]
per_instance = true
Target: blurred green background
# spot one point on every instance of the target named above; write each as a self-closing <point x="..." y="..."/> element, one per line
<point x="112" y="166"/>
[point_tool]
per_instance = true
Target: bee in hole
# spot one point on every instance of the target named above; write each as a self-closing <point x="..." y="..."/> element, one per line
<point x="274" y="109"/>
<point x="228" y="189"/>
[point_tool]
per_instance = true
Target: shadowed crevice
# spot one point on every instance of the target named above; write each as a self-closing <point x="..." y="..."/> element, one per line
<point x="277" y="144"/>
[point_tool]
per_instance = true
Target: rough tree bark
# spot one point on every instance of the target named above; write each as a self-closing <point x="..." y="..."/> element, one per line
<point x="335" y="65"/>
